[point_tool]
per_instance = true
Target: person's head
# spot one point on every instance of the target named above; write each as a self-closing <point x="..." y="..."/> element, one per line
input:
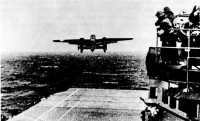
<point x="160" y="14"/>
<point x="166" y="9"/>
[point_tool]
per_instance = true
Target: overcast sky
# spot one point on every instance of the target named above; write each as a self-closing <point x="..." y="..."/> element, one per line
<point x="31" y="25"/>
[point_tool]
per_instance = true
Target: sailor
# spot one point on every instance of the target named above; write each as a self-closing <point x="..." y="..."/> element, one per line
<point x="194" y="18"/>
<point x="193" y="23"/>
<point x="167" y="37"/>
<point x="191" y="33"/>
<point x="169" y="14"/>
<point x="160" y="15"/>
<point x="165" y="29"/>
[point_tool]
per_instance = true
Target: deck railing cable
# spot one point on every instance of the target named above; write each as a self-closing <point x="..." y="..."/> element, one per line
<point x="187" y="49"/>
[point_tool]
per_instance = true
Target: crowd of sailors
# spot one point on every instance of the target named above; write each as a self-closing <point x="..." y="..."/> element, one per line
<point x="188" y="34"/>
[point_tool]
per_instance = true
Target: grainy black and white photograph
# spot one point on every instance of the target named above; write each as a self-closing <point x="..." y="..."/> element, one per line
<point x="100" y="60"/>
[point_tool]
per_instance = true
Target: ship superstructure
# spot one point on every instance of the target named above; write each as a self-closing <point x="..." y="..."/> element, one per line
<point x="175" y="83"/>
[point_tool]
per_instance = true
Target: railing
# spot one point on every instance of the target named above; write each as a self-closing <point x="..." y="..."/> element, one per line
<point x="188" y="49"/>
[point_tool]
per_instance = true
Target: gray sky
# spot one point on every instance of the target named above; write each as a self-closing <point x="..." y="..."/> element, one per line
<point x="31" y="25"/>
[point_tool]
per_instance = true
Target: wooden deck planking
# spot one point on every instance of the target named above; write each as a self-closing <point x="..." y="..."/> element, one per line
<point x="82" y="104"/>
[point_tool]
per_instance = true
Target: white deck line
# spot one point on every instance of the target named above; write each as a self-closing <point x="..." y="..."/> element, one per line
<point x="39" y="118"/>
<point x="69" y="110"/>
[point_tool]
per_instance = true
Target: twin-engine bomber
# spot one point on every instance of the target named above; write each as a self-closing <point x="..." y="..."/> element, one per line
<point x="93" y="43"/>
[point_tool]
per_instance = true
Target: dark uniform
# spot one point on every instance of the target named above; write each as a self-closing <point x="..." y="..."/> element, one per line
<point x="168" y="38"/>
<point x="194" y="38"/>
<point x="195" y="16"/>
<point x="169" y="14"/>
<point x="195" y="20"/>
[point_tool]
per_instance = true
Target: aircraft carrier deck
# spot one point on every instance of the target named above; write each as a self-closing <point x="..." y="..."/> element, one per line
<point x="83" y="104"/>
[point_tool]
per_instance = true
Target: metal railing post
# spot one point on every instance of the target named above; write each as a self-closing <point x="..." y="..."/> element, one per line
<point x="187" y="60"/>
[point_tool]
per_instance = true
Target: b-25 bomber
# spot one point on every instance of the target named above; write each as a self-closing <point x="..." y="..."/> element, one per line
<point x="92" y="43"/>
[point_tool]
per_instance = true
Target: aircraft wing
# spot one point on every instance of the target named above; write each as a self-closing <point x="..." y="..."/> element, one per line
<point x="112" y="40"/>
<point x="73" y="41"/>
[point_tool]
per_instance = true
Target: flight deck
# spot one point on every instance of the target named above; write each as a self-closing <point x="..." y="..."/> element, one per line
<point x="83" y="104"/>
